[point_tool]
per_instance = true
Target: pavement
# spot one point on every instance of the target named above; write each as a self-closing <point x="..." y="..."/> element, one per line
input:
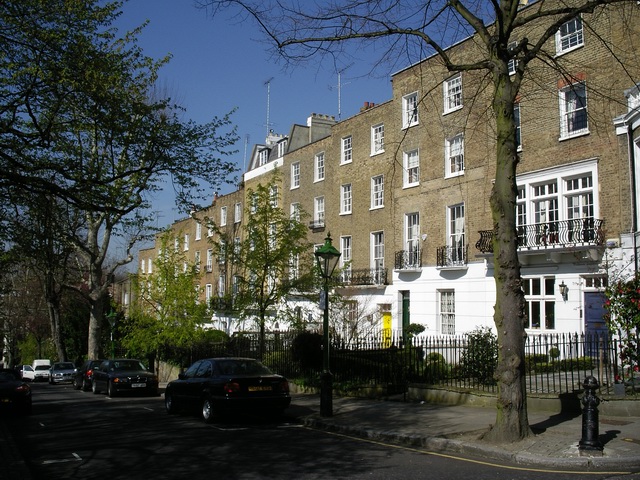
<point x="446" y="429"/>
<point x="457" y="430"/>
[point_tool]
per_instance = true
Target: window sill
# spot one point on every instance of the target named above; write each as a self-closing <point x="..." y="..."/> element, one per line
<point x="344" y="213"/>
<point x="580" y="133"/>
<point x="410" y="185"/>
<point x="447" y="112"/>
<point x="406" y="127"/>
<point x="454" y="175"/>
<point x="376" y="208"/>
<point x="317" y="180"/>
<point x="295" y="187"/>
<point x="379" y="152"/>
<point x="347" y="162"/>
<point x="570" y="49"/>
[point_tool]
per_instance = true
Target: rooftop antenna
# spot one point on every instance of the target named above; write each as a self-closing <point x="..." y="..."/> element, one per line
<point x="268" y="84"/>
<point x="246" y="144"/>
<point x="339" y="86"/>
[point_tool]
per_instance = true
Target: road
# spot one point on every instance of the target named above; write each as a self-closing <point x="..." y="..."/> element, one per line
<point x="79" y="435"/>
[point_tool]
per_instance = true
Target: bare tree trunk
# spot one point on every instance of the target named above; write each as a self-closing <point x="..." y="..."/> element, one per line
<point x="512" y="423"/>
<point x="95" y="330"/>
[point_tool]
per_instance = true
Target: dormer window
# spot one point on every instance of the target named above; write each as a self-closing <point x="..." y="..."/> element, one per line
<point x="263" y="157"/>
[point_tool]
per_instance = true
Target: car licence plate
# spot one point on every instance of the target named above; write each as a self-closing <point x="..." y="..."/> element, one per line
<point x="138" y="385"/>
<point x="259" y="388"/>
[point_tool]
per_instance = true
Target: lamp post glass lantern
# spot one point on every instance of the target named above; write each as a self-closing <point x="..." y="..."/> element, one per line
<point x="327" y="257"/>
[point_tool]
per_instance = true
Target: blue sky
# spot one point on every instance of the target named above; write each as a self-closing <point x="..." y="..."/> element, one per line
<point x="220" y="64"/>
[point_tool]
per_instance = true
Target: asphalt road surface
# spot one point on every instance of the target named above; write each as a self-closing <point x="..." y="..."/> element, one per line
<point x="79" y="435"/>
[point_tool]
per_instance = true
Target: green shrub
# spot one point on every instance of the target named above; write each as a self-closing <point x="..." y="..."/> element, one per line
<point x="306" y="349"/>
<point x="479" y="358"/>
<point x="436" y="368"/>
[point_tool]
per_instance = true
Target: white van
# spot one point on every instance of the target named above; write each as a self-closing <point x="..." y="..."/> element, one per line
<point x="41" y="369"/>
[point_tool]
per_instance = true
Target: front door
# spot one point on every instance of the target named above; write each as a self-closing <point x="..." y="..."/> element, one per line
<point x="594" y="325"/>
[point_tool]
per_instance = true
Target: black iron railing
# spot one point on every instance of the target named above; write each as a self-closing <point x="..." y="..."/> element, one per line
<point x="452" y="256"/>
<point x="364" y="276"/>
<point x="563" y="233"/>
<point x="408" y="259"/>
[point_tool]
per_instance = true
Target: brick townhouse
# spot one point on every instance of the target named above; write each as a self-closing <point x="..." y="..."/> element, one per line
<point x="403" y="187"/>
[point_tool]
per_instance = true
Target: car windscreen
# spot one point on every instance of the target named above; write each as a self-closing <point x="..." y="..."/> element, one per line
<point x="242" y="367"/>
<point x="42" y="367"/>
<point x="64" y="366"/>
<point x="128" y="365"/>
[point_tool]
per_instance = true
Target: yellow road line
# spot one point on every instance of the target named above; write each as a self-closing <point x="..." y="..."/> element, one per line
<point x="469" y="460"/>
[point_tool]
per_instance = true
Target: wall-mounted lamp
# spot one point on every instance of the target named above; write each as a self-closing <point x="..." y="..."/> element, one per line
<point x="424" y="237"/>
<point x="563" y="291"/>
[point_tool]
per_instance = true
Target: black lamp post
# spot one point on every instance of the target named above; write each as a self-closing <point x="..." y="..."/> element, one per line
<point x="327" y="257"/>
<point x="112" y="317"/>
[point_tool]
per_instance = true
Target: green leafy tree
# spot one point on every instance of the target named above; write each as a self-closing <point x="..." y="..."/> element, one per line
<point x="81" y="121"/>
<point x="623" y="318"/>
<point x="166" y="311"/>
<point x="510" y="44"/>
<point x="273" y="258"/>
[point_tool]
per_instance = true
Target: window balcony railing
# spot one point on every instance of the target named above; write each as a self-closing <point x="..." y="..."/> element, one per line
<point x="408" y="259"/>
<point x="364" y="276"/>
<point x="563" y="233"/>
<point x="452" y="256"/>
<point x="316" y="223"/>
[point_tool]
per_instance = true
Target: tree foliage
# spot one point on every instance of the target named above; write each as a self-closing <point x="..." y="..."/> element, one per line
<point x="272" y="258"/>
<point x="623" y="318"/>
<point x="83" y="123"/>
<point x="166" y="311"/>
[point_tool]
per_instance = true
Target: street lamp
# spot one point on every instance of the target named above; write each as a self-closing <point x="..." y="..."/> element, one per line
<point x="327" y="257"/>
<point x="112" y="317"/>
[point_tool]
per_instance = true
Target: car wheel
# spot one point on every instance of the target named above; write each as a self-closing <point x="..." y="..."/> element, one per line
<point x="111" y="392"/>
<point x="85" y="387"/>
<point x="170" y="403"/>
<point x="76" y="385"/>
<point x="94" y="387"/>
<point x="208" y="410"/>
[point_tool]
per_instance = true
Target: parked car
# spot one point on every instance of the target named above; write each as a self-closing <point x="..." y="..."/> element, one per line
<point x="124" y="375"/>
<point x="15" y="393"/>
<point x="41" y="368"/>
<point x="215" y="385"/>
<point x="27" y="373"/>
<point x="84" y="375"/>
<point x="62" y="372"/>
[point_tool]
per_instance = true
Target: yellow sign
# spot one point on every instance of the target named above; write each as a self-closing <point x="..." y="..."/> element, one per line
<point x="386" y="329"/>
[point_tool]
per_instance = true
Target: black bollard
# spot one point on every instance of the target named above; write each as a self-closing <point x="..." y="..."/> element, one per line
<point x="590" y="442"/>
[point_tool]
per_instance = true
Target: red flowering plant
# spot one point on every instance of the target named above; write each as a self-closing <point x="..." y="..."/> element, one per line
<point x="623" y="318"/>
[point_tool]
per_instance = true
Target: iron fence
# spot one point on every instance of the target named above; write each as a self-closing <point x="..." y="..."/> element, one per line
<point x="554" y="363"/>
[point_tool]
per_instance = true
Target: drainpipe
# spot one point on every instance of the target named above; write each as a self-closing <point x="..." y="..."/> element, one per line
<point x="634" y="205"/>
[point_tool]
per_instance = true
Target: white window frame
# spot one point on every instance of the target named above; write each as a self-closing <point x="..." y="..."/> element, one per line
<point x="198" y="231"/>
<point x="237" y="212"/>
<point x="318" y="167"/>
<point x="222" y="285"/>
<point x="412" y="238"/>
<point x="447" y="312"/>
<point x="410" y="110"/>
<point x="411" y="170"/>
<point x="454" y="156"/>
<point x="573" y="105"/>
<point x="570" y="36"/>
<point x="208" y="292"/>
<point x="209" y="266"/>
<point x="149" y="265"/>
<point x="273" y="196"/>
<point x="294" y="211"/>
<point x="377" y="192"/>
<point x="346" y="199"/>
<point x="513" y="63"/>
<point x="456" y="241"/>
<point x="453" y="93"/>
<point x="346" y="150"/>
<point x="186" y="242"/>
<point x="223" y="216"/>
<point x="377" y="139"/>
<point x="282" y="148"/>
<point x="295" y="175"/>
<point x="318" y="210"/>
<point x="518" y="121"/>
<point x="197" y="261"/>
<point x="377" y="255"/>
<point x="540" y="294"/>
<point x="346" y="248"/>
<point x="263" y="157"/>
